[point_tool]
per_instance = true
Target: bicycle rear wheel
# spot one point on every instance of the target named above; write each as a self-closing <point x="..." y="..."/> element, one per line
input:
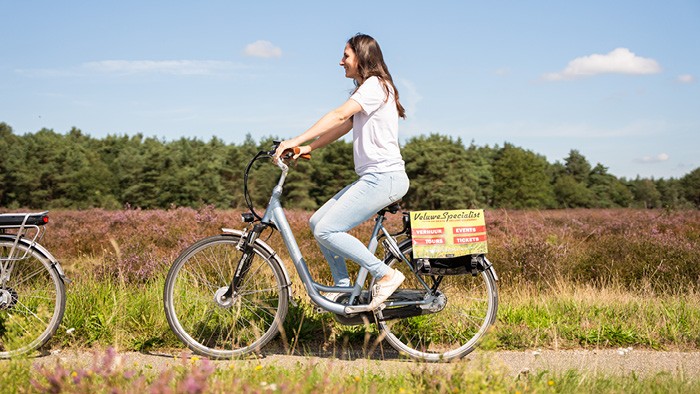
<point x="470" y="306"/>
<point x="32" y="300"/>
<point x="243" y="324"/>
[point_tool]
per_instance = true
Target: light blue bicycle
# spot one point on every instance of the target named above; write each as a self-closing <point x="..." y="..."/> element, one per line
<point x="227" y="295"/>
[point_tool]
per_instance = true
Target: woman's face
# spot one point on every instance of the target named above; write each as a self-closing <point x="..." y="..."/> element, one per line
<point x="349" y="63"/>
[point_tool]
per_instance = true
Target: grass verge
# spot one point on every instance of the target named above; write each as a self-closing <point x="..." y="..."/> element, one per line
<point x="108" y="373"/>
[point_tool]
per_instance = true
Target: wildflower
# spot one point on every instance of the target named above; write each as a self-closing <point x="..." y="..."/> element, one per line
<point x="357" y="378"/>
<point x="258" y="367"/>
<point x="551" y="383"/>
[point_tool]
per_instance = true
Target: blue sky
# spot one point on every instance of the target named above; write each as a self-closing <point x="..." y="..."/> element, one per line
<point x="616" y="80"/>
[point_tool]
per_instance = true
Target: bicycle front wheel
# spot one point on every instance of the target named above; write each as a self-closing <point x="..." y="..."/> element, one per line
<point x="244" y="322"/>
<point x="469" y="307"/>
<point x="32" y="299"/>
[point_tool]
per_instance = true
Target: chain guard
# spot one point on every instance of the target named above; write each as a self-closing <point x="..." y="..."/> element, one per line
<point x="400" y="312"/>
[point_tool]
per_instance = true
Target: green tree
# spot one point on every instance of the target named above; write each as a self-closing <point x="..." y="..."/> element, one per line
<point x="84" y="179"/>
<point x="691" y="187"/>
<point x="608" y="191"/>
<point x="332" y="168"/>
<point x="645" y="193"/>
<point x="10" y="146"/>
<point x="139" y="166"/>
<point x="521" y="179"/>
<point x="571" y="182"/>
<point x="441" y="175"/>
<point x="482" y="169"/>
<point x="671" y="191"/>
<point x="577" y="166"/>
<point x="571" y="193"/>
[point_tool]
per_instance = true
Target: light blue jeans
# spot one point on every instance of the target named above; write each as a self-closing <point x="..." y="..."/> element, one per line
<point x="350" y="207"/>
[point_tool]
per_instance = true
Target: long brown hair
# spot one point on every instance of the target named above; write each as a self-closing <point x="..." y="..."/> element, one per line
<point x="370" y="62"/>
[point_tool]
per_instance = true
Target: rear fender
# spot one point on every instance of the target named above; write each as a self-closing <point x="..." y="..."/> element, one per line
<point x="56" y="265"/>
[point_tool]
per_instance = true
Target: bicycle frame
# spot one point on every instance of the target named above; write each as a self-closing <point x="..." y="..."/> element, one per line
<point x="274" y="215"/>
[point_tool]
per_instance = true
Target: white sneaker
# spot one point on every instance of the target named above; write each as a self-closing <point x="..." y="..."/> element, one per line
<point x="382" y="290"/>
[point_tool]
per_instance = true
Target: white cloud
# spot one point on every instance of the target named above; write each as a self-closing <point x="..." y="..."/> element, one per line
<point x="172" y="67"/>
<point x="262" y="48"/>
<point x="661" y="157"/>
<point x="619" y="61"/>
<point x="686" y="78"/>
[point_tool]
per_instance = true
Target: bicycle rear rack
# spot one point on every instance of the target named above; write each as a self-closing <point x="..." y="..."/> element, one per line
<point x="31" y="232"/>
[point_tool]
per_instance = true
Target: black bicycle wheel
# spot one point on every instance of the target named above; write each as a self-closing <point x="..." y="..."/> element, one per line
<point x="32" y="299"/>
<point x="469" y="305"/>
<point x="239" y="325"/>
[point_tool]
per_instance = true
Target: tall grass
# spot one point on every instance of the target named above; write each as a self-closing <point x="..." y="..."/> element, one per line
<point x="575" y="316"/>
<point x="573" y="278"/>
<point x="131" y="317"/>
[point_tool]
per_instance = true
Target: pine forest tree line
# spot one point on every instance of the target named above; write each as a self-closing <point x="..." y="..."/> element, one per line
<point x="49" y="170"/>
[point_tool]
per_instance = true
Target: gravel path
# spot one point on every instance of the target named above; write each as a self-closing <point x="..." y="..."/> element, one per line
<point x="606" y="362"/>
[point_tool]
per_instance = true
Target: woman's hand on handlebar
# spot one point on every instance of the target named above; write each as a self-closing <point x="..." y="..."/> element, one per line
<point x="289" y="146"/>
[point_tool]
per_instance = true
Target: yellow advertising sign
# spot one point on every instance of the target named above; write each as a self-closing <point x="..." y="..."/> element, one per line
<point x="439" y="234"/>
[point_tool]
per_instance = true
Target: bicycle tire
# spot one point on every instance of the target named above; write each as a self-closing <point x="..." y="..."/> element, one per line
<point x="255" y="313"/>
<point x="32" y="301"/>
<point x="451" y="333"/>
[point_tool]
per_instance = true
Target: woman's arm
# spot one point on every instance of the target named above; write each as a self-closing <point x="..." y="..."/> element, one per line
<point x="331" y="135"/>
<point x="329" y="128"/>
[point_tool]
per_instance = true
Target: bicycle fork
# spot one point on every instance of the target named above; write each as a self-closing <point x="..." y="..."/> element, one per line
<point x="246" y="246"/>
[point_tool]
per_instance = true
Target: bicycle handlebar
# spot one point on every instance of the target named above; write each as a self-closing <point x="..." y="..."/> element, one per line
<point x="287" y="155"/>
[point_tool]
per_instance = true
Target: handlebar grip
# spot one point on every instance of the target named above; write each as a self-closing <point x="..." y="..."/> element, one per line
<point x="305" y="156"/>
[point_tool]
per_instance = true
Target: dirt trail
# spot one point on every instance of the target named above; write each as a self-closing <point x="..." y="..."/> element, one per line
<point x="607" y="361"/>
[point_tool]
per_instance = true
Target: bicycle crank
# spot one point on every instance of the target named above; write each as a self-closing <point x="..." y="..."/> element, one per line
<point x="8" y="298"/>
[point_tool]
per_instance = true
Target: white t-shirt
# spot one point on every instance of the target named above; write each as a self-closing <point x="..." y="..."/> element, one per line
<point x="375" y="130"/>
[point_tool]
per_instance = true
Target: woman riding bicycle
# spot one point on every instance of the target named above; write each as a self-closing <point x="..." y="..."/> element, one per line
<point x="372" y="112"/>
